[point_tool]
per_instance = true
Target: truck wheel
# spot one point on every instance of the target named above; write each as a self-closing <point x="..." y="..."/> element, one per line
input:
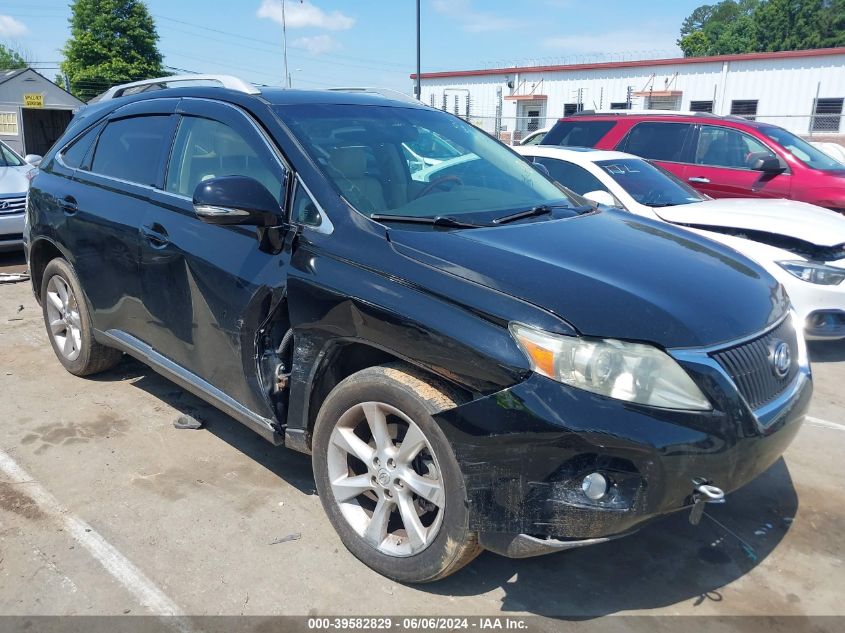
<point x="69" y="323"/>
<point x="387" y="477"/>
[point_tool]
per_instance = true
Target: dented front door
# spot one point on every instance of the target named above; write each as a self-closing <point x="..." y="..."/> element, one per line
<point x="206" y="288"/>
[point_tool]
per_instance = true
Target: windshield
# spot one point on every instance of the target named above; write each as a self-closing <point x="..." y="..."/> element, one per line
<point x="361" y="149"/>
<point x="648" y="184"/>
<point x="801" y="149"/>
<point x="8" y="158"/>
<point x="430" y="145"/>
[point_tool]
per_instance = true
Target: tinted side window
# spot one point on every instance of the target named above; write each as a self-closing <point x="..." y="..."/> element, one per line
<point x="578" y="133"/>
<point x="129" y="149"/>
<point x="571" y="176"/>
<point x="75" y="155"/>
<point x="725" y="147"/>
<point x="304" y="210"/>
<point x="657" y="141"/>
<point x="206" y="149"/>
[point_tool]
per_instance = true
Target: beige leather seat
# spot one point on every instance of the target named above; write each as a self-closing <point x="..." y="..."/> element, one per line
<point x="363" y="191"/>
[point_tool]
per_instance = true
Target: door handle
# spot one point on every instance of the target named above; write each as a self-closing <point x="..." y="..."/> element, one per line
<point x="699" y="179"/>
<point x="69" y="205"/>
<point x="156" y="235"/>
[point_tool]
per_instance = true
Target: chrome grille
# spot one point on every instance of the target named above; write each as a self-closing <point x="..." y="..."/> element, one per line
<point x="750" y="365"/>
<point x="12" y="205"/>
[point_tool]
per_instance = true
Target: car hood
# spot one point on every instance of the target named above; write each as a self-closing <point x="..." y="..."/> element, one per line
<point x="13" y="180"/>
<point x="800" y="220"/>
<point x="611" y="274"/>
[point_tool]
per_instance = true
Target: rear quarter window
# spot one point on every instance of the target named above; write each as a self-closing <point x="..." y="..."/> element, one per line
<point x="576" y="133"/>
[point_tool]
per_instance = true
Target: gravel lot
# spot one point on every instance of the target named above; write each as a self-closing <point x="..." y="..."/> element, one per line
<point x="183" y="520"/>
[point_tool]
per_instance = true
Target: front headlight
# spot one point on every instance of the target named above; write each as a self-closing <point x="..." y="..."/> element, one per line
<point x="633" y="372"/>
<point x="813" y="272"/>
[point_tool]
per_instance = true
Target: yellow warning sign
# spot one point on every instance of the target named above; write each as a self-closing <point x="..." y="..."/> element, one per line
<point x="33" y="100"/>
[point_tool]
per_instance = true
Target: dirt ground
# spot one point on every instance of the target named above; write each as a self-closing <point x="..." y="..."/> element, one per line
<point x="106" y="508"/>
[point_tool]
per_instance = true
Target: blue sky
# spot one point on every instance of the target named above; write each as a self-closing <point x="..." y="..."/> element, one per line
<point x="370" y="42"/>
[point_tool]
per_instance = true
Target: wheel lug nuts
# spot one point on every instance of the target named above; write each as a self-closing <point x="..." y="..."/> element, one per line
<point x="375" y="462"/>
<point x="398" y="483"/>
<point x="391" y="463"/>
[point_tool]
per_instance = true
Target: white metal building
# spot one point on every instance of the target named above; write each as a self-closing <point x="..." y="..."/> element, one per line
<point x="802" y="91"/>
<point x="34" y="111"/>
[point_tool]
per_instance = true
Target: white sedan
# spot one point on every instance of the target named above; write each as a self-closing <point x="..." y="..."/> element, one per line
<point x="801" y="245"/>
<point x="14" y="183"/>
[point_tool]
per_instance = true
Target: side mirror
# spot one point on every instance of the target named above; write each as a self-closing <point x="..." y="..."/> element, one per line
<point x="768" y="164"/>
<point x="604" y="198"/>
<point x="33" y="159"/>
<point x="236" y="200"/>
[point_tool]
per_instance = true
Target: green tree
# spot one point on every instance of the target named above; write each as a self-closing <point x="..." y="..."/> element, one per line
<point x="745" y="26"/>
<point x="111" y="42"/>
<point x="10" y="58"/>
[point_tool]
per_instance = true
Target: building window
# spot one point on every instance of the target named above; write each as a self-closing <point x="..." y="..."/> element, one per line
<point x="744" y="107"/>
<point x="620" y="105"/>
<point x="9" y="123"/>
<point x="701" y="106"/>
<point x="827" y="115"/>
<point x="572" y="108"/>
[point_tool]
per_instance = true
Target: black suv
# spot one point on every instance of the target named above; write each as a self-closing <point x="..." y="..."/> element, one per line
<point x="475" y="357"/>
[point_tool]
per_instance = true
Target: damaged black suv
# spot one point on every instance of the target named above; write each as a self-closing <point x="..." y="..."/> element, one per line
<point x="475" y="357"/>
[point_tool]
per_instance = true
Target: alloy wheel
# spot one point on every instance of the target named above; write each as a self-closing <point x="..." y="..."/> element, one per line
<point x="385" y="479"/>
<point x="65" y="325"/>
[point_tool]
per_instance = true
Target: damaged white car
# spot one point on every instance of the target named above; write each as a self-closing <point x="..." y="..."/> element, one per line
<point x="801" y="245"/>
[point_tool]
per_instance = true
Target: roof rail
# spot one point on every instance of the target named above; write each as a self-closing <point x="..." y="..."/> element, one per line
<point x="384" y="92"/>
<point x="643" y="111"/>
<point x="160" y="83"/>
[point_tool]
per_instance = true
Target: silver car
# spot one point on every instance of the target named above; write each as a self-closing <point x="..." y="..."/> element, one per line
<point x="14" y="183"/>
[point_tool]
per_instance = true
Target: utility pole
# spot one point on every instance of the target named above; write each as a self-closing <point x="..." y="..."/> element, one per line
<point x="285" y="44"/>
<point x="418" y="89"/>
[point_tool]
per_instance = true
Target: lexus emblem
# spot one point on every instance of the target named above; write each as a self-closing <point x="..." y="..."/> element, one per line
<point x="4" y="205"/>
<point x="781" y="358"/>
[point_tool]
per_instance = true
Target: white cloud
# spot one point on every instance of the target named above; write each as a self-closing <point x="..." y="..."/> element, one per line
<point x="316" y="45"/>
<point x="10" y="27"/>
<point x="472" y="21"/>
<point x="648" y="42"/>
<point x="300" y="15"/>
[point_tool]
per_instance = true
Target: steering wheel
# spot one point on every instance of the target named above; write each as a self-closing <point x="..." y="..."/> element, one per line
<point x="438" y="182"/>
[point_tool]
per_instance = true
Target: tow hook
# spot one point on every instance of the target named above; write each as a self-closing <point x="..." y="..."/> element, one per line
<point x="704" y="493"/>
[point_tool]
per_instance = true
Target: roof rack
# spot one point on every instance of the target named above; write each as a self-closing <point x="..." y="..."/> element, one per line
<point x="384" y="92"/>
<point x="160" y="83"/>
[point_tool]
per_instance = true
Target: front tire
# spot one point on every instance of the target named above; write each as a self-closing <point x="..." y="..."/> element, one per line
<point x="387" y="477"/>
<point x="68" y="323"/>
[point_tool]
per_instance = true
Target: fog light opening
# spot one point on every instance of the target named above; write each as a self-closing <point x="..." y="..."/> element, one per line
<point x="594" y="486"/>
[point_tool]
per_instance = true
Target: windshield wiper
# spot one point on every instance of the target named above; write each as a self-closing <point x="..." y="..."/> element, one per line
<point x="543" y="209"/>
<point x="530" y="213"/>
<point x="439" y="220"/>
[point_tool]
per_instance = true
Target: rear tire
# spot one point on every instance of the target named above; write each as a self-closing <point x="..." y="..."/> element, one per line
<point x="402" y="512"/>
<point x="68" y="323"/>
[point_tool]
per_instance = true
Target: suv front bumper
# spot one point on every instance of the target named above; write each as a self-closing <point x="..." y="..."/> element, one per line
<point x="524" y="452"/>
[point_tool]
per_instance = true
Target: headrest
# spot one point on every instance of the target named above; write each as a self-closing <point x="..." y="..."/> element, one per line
<point x="349" y="161"/>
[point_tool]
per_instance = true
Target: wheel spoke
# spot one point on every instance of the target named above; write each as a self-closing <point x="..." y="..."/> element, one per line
<point x="67" y="348"/>
<point x="377" y="421"/>
<point x="56" y="301"/>
<point x="346" y="487"/>
<point x="413" y="526"/>
<point x="429" y="489"/>
<point x="376" y="530"/>
<point x="413" y="443"/>
<point x="76" y="335"/>
<point x="346" y="440"/>
<point x="58" y="326"/>
<point x="62" y="291"/>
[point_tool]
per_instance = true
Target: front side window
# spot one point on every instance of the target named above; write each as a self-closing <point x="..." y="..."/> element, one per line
<point x="129" y="149"/>
<point x="206" y="149"/>
<point x="726" y="147"/>
<point x="360" y="150"/>
<point x="8" y="158"/>
<point x="578" y="133"/>
<point x="801" y="149"/>
<point x="304" y="209"/>
<point x="571" y="176"/>
<point x="648" y="184"/>
<point x="657" y="141"/>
